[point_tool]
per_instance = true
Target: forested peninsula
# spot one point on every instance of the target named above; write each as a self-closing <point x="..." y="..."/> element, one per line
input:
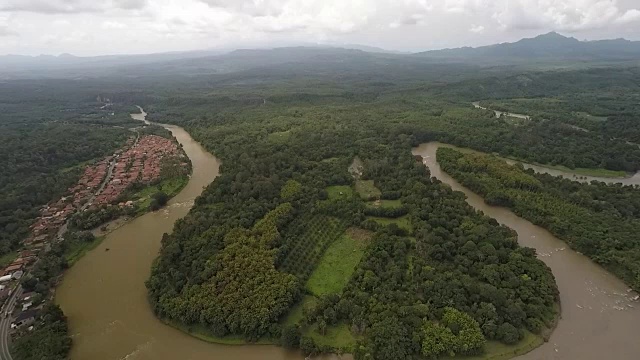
<point x="597" y="219"/>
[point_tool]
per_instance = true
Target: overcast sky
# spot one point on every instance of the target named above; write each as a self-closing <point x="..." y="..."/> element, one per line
<point x="94" y="27"/>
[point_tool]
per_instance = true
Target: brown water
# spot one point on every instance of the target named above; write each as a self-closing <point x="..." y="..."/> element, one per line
<point x="599" y="318"/>
<point x="104" y="295"/>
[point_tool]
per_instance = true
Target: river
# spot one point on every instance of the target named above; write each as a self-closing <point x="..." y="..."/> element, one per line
<point x="629" y="180"/>
<point x="104" y="295"/>
<point x="599" y="318"/>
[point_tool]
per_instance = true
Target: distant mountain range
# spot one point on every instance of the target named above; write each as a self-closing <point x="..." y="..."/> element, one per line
<point x="551" y="48"/>
<point x="548" y="47"/>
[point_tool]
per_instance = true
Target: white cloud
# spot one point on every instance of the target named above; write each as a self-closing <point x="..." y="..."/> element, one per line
<point x="69" y="6"/>
<point x="136" y="26"/>
<point x="567" y="15"/>
<point x="476" y="29"/>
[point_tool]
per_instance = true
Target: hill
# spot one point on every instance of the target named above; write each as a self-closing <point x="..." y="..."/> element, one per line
<point x="551" y="47"/>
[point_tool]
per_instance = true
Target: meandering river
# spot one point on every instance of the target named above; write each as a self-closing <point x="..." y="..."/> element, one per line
<point x="104" y="295"/>
<point x="105" y="299"/>
<point x="600" y="319"/>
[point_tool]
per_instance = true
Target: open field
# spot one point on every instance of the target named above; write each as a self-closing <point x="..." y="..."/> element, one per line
<point x="367" y="189"/>
<point x="336" y="266"/>
<point x="402" y="222"/>
<point x="339" y="191"/>
<point x="389" y="204"/>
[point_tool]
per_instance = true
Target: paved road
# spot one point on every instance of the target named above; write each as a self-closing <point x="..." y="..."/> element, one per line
<point x="5" y="324"/>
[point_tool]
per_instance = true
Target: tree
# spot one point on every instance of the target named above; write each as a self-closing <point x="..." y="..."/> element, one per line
<point x="291" y="336"/>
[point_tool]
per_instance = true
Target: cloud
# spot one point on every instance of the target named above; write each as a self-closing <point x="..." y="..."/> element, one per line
<point x="6" y="31"/>
<point x="69" y="6"/>
<point x="567" y="15"/>
<point x="251" y="7"/>
<point x="476" y="29"/>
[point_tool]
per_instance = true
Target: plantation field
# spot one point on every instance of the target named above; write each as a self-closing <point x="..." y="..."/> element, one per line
<point x="336" y="266"/>
<point x="367" y="189"/>
<point x="402" y="222"/>
<point x="321" y="231"/>
<point x="339" y="191"/>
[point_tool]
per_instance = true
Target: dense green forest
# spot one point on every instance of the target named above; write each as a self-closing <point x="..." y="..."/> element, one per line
<point x="451" y="271"/>
<point x="599" y="220"/>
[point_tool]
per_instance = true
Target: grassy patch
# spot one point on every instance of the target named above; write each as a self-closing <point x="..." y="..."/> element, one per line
<point x="170" y="186"/>
<point x="77" y="250"/>
<point x="338" y="337"/>
<point x="7" y="259"/>
<point x="336" y="266"/>
<point x="202" y="333"/>
<point x="403" y="222"/>
<point x="367" y="189"/>
<point x="295" y="314"/>
<point x="340" y="191"/>
<point x="279" y="137"/>
<point x="588" y="116"/>
<point x="389" y="204"/>
<point x="498" y="351"/>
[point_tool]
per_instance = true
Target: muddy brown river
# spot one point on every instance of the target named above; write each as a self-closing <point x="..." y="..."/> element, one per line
<point x="599" y="318"/>
<point x="104" y="295"/>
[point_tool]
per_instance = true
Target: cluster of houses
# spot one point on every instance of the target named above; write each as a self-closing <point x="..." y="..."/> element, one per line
<point x="140" y="163"/>
<point x="10" y="278"/>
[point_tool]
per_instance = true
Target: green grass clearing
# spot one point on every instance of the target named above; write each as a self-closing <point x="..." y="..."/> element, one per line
<point x="339" y="191"/>
<point x="403" y="222"/>
<point x="388" y="204"/>
<point x="170" y="186"/>
<point x="367" y="189"/>
<point x="8" y="258"/>
<point x="338" y="337"/>
<point x="336" y="266"/>
<point x="591" y="117"/>
<point x="280" y="137"/>
<point x="296" y="313"/>
<point x="78" y="250"/>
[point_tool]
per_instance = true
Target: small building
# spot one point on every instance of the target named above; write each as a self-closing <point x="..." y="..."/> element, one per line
<point x="25" y="318"/>
<point x="17" y="275"/>
<point x="5" y="278"/>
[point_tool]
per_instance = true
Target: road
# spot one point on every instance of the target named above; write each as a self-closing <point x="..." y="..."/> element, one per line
<point x="5" y="324"/>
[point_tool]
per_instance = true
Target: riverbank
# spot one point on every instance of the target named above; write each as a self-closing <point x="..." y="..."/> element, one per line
<point x="599" y="318"/>
<point x="578" y="172"/>
<point x="581" y="175"/>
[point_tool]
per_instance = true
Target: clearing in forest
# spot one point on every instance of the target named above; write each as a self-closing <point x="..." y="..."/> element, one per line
<point x="279" y="137"/>
<point x="339" y="191"/>
<point x="403" y="222"/>
<point x="385" y="204"/>
<point x="367" y="189"/>
<point x="338" y="263"/>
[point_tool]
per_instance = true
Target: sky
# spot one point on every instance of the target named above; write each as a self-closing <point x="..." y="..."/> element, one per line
<point x="98" y="27"/>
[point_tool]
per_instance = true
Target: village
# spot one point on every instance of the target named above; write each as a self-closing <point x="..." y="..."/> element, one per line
<point x="102" y="183"/>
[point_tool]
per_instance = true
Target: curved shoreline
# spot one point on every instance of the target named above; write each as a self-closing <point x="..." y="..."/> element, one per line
<point x="598" y="317"/>
<point x="580" y="174"/>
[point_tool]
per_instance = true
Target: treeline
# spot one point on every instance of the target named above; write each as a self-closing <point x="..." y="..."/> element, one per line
<point x="597" y="219"/>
